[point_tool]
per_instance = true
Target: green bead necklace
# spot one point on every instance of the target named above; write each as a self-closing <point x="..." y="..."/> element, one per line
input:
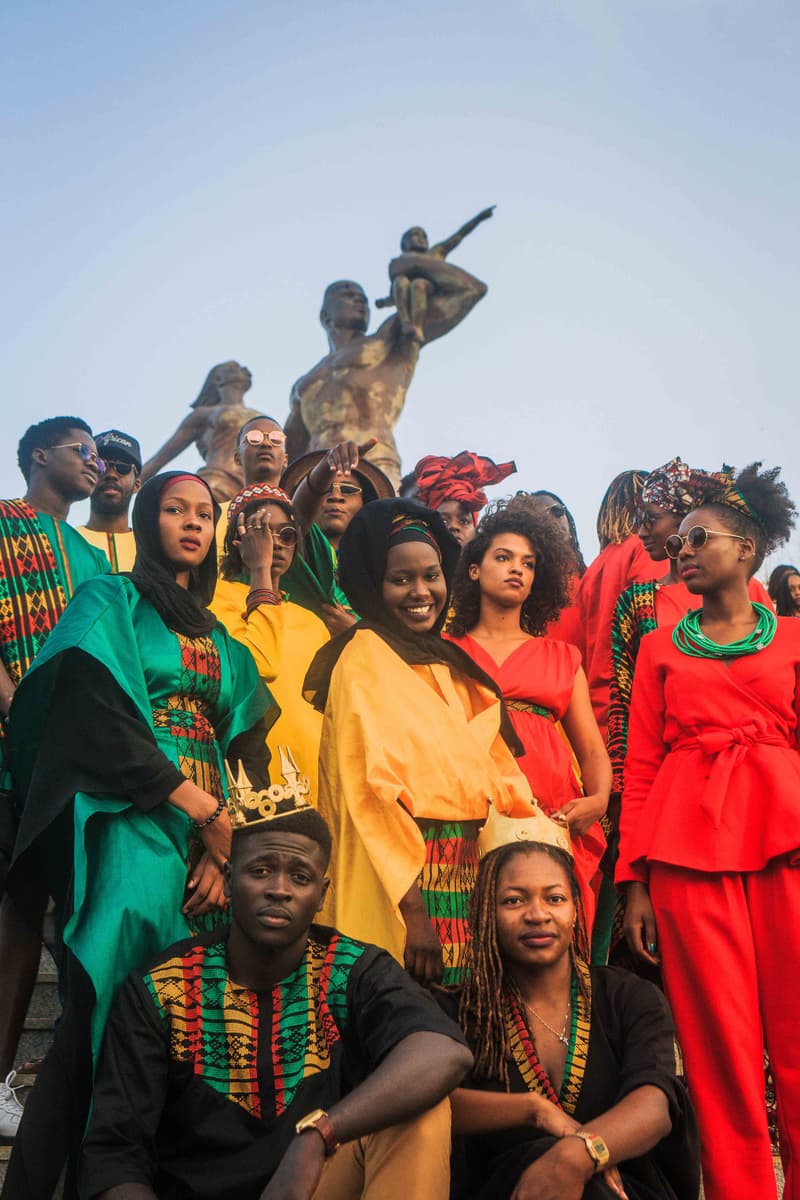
<point x="690" y="639"/>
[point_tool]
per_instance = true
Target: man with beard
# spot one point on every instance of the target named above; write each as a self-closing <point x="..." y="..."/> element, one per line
<point x="108" y="528"/>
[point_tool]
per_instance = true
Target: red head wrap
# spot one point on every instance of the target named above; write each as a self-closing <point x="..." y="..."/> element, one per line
<point x="460" y="478"/>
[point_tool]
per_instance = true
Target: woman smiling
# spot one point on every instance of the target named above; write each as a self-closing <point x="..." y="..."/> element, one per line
<point x="413" y="747"/>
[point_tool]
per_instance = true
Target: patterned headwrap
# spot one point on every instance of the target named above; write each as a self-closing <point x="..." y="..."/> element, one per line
<point x="460" y="478"/>
<point x="679" y="488"/>
<point x="256" y="491"/>
<point x="406" y="528"/>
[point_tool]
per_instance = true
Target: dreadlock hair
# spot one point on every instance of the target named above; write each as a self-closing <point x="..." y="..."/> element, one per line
<point x="784" y="605"/>
<point x="481" y="1010"/>
<point x="615" y="515"/>
<point x="232" y="566"/>
<point x="774" y="511"/>
<point x="42" y="437"/>
<point x="550" y="591"/>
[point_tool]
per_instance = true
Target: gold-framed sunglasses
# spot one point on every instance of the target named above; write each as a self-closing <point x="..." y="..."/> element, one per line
<point x="86" y="453"/>
<point x="256" y="437"/>
<point x="695" y="538"/>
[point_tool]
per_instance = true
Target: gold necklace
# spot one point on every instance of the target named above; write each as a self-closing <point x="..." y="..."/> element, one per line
<point x="562" y="1037"/>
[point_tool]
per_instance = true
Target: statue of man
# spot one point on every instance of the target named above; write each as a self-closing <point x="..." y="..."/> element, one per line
<point x="213" y="424"/>
<point x="358" y="390"/>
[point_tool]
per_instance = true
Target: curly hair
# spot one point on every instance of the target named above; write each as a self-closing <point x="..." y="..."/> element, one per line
<point x="621" y="500"/>
<point x="231" y="567"/>
<point x="43" y="436"/>
<point x="526" y="502"/>
<point x="485" y="981"/>
<point x="774" y="511"/>
<point x="550" y="591"/>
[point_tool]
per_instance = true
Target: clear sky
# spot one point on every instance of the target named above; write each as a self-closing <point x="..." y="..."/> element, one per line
<point x="183" y="179"/>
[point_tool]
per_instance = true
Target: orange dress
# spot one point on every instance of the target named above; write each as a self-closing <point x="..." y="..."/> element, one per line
<point x="537" y="680"/>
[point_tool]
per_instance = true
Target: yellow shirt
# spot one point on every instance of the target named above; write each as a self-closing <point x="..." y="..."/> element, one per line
<point x="222" y="529"/>
<point x="283" y="639"/>
<point x="399" y="742"/>
<point x="119" y="548"/>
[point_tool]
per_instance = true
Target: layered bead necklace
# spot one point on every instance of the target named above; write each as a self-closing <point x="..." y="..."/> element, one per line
<point x="690" y="639"/>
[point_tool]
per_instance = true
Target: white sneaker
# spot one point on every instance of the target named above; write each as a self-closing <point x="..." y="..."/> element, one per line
<point x="10" y="1108"/>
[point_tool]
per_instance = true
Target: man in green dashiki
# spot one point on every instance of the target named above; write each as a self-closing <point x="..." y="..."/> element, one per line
<point x="42" y="561"/>
<point x="239" y="1062"/>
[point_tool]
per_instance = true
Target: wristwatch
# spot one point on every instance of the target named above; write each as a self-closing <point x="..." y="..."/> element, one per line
<point x="598" y="1150"/>
<point x="319" y="1120"/>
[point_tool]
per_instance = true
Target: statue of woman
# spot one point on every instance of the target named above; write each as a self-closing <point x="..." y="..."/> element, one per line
<point x="213" y="425"/>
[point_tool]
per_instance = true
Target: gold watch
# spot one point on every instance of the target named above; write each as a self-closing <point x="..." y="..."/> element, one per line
<point x="598" y="1150"/>
<point x="319" y="1120"/>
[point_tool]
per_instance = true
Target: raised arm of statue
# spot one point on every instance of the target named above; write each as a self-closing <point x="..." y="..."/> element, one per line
<point x="187" y="432"/>
<point x="454" y="292"/>
<point x="443" y="248"/>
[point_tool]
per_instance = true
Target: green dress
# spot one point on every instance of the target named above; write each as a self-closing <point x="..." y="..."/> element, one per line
<point x="192" y="697"/>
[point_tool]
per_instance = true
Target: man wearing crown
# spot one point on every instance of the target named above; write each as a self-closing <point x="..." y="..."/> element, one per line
<point x="278" y="1060"/>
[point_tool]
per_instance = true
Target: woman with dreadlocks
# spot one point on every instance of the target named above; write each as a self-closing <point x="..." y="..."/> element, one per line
<point x="710" y="832"/>
<point x="574" y="1092"/>
<point x="510" y="584"/>
<point x="122" y="729"/>
<point x="415" y="741"/>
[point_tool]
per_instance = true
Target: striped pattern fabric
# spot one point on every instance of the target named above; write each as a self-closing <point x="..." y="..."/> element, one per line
<point x="523" y="1045"/>
<point x="32" y="593"/>
<point x="218" y="1027"/>
<point x="634" y="617"/>
<point x="447" y="881"/>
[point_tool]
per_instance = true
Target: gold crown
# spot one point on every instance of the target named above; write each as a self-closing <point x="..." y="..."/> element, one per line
<point x="506" y="831"/>
<point x="249" y="806"/>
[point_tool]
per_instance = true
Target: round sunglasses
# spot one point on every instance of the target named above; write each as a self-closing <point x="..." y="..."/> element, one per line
<point x="86" y="453"/>
<point x="696" y="538"/>
<point x="256" y="437"/>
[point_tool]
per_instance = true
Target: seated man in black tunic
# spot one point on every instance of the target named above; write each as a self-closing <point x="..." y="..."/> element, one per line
<point x="278" y="1059"/>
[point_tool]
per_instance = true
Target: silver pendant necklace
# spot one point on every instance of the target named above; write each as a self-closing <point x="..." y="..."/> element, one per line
<point x="562" y="1037"/>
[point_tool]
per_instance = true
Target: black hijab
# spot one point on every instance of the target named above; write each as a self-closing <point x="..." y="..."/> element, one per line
<point x="182" y="610"/>
<point x="363" y="551"/>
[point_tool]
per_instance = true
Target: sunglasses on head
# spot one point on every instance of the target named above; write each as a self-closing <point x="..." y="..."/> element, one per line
<point x="120" y="468"/>
<point x="696" y="538"/>
<point x="86" y="453"/>
<point x="345" y="489"/>
<point x="556" y="510"/>
<point x="255" y="437"/>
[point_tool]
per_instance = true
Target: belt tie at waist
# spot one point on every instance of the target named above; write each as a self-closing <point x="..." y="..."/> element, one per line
<point x="728" y="748"/>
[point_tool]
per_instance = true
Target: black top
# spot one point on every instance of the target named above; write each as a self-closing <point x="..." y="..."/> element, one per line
<point x="631" y="1044"/>
<point x="201" y="1081"/>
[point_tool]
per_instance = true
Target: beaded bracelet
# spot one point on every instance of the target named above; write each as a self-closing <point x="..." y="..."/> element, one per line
<point x="258" y="596"/>
<point x="210" y="820"/>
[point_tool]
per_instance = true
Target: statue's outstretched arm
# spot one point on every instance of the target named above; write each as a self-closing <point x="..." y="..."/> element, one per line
<point x="442" y="249"/>
<point x="456" y="293"/>
<point x="187" y="432"/>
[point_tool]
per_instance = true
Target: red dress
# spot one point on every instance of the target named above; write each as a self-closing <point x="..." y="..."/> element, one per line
<point x="614" y="569"/>
<point x="541" y="672"/>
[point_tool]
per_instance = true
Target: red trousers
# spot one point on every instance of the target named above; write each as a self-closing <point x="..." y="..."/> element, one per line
<point x="730" y="951"/>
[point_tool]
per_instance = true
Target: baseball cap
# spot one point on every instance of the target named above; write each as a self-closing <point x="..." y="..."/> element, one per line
<point x="113" y="442"/>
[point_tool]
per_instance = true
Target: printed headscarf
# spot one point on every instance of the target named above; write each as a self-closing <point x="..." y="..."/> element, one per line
<point x="460" y="478"/>
<point x="363" y="552"/>
<point x="184" y="610"/>
<point x="679" y="488"/>
<point x="257" y="491"/>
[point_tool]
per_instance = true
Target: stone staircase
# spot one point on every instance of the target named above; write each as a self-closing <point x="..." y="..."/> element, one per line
<point x="38" y="1034"/>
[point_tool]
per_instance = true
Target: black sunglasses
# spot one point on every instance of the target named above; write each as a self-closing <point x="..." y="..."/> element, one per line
<point x="120" y="468"/>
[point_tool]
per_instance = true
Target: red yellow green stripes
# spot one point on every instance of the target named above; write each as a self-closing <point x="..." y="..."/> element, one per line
<point x="446" y="882"/>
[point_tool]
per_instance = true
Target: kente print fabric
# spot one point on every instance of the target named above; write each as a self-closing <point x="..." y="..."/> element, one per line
<point x="227" y="1032"/>
<point x="188" y="713"/>
<point x="32" y="594"/>
<point x="447" y="881"/>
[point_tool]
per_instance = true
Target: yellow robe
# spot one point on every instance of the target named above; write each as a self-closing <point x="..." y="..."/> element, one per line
<point x="283" y="639"/>
<point x="400" y="742"/>
<point x="119" y="548"/>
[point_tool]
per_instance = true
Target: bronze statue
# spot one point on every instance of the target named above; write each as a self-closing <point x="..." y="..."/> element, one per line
<point x="213" y="425"/>
<point x="358" y="390"/>
<point x="410" y="284"/>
